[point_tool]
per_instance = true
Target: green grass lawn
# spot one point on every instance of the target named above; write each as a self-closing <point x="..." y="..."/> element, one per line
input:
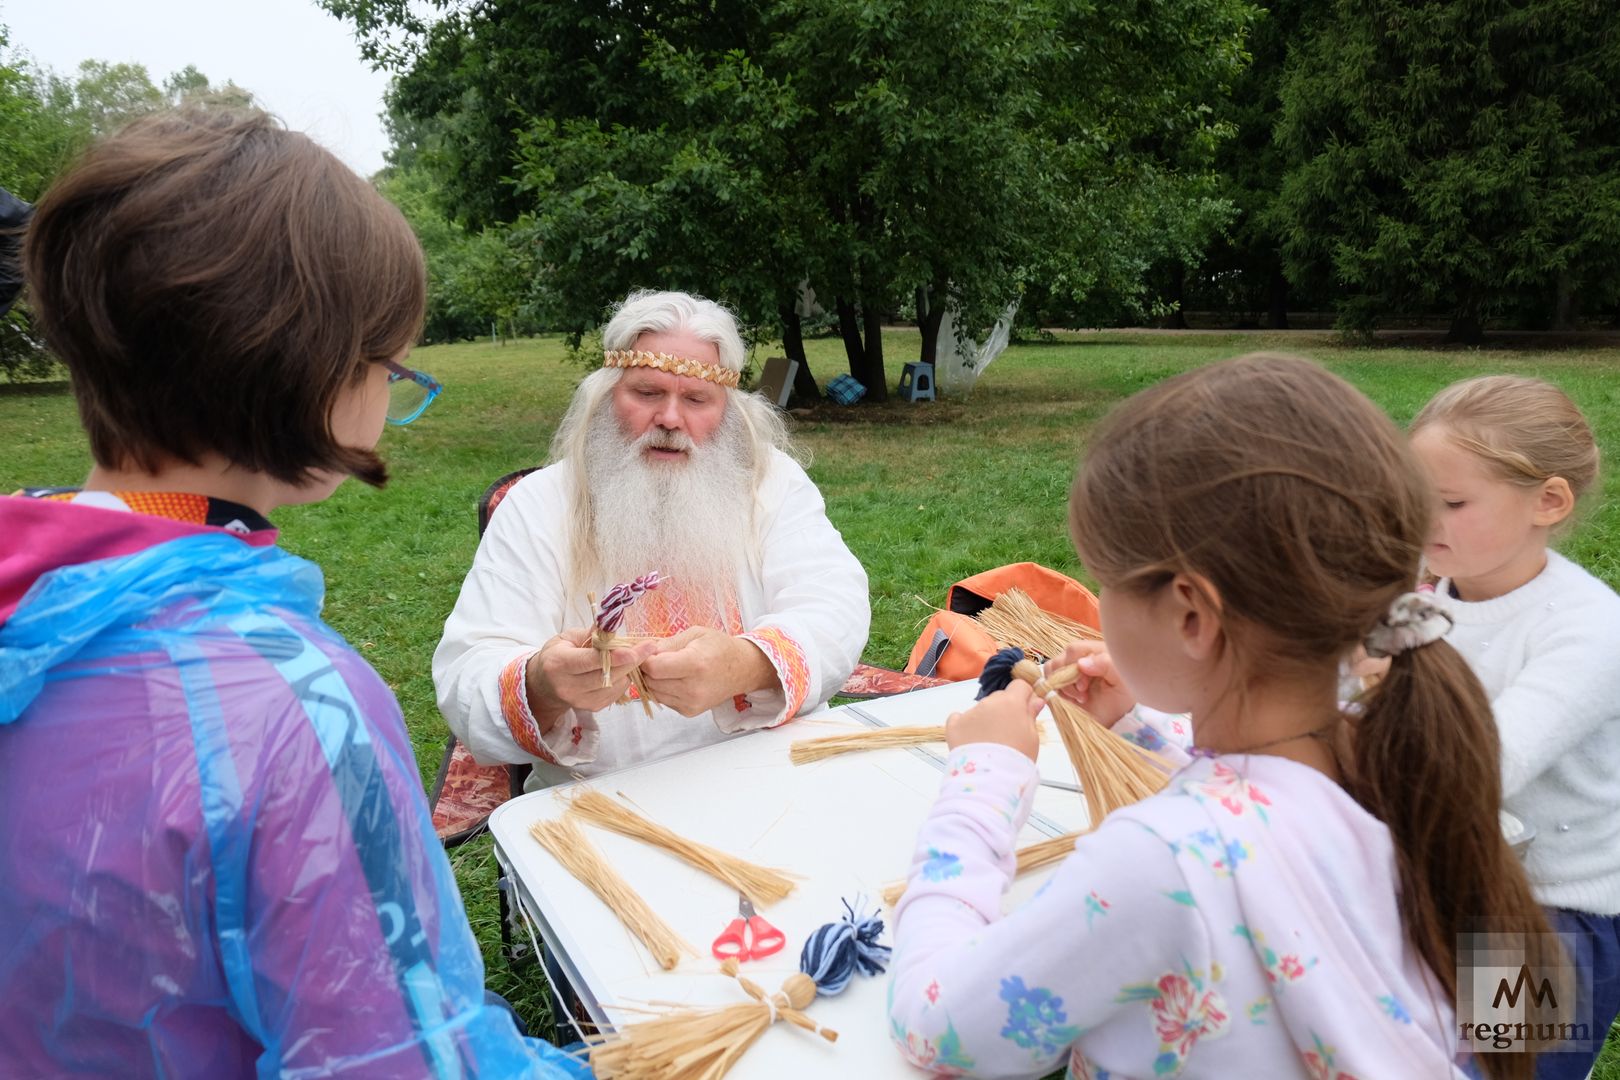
<point x="924" y="494"/>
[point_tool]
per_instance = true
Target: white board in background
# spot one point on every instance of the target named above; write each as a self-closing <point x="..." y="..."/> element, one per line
<point x="846" y="825"/>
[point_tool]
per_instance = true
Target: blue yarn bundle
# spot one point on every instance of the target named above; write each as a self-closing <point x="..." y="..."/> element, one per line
<point x="837" y="950"/>
<point x="997" y="674"/>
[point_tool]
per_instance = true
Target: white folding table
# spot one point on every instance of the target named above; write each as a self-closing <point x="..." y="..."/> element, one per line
<point x="846" y="825"/>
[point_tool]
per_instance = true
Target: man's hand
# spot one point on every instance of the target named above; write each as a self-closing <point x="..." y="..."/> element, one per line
<point x="567" y="674"/>
<point x="1099" y="690"/>
<point x="700" y="668"/>
<point x="1006" y="717"/>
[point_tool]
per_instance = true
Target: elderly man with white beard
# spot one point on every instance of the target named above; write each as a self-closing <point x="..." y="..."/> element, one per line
<point x="660" y="463"/>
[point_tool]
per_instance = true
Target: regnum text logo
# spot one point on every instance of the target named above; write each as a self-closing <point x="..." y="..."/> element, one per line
<point x="1520" y="991"/>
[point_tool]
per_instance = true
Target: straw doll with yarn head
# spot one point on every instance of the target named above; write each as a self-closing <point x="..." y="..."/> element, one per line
<point x="1510" y="458"/>
<point x="1289" y="904"/>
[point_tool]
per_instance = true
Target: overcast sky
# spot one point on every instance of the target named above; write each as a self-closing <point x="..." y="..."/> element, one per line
<point x="301" y="63"/>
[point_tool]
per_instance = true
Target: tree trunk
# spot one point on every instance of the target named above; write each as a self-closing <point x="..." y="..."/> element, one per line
<point x="804" y="383"/>
<point x="1467" y="328"/>
<point x="1178" y="296"/>
<point x="1278" y="319"/>
<point x="930" y="313"/>
<point x="871" y="375"/>
<point x="1564" y="309"/>
<point x="850" y="329"/>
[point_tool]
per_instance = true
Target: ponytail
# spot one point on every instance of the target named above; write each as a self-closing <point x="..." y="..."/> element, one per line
<point x="1425" y="760"/>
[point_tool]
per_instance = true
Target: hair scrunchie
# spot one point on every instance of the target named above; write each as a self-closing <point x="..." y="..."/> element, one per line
<point x="1413" y="621"/>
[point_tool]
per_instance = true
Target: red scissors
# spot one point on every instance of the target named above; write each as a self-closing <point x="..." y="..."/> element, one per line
<point x="761" y="940"/>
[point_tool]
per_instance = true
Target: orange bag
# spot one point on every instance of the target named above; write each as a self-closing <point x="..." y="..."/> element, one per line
<point x="967" y="645"/>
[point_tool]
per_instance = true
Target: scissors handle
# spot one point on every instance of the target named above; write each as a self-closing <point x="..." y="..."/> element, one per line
<point x="730" y="944"/>
<point x="767" y="939"/>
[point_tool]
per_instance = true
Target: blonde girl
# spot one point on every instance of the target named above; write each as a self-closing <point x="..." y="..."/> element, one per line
<point x="1510" y="459"/>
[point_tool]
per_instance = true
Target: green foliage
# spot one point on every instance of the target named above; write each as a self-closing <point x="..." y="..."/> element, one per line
<point x="45" y="121"/>
<point x="1242" y="269"/>
<point x="475" y="280"/>
<point x="35" y="138"/>
<point x="1460" y="156"/>
<point x="867" y="146"/>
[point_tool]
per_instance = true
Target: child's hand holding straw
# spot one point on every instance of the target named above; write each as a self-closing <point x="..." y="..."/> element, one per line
<point x="1006" y="717"/>
<point x="1099" y="688"/>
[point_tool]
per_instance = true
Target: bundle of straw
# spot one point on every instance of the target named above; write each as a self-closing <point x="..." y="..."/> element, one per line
<point x="605" y="637"/>
<point x="760" y="884"/>
<point x="1113" y="771"/>
<point x="1031" y="858"/>
<point x="703" y="1043"/>
<point x="804" y="751"/>
<point x="567" y="843"/>
<point x="1014" y="620"/>
<point x="1046" y="852"/>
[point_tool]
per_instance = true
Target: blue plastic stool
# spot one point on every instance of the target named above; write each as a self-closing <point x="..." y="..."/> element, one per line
<point x="917" y="382"/>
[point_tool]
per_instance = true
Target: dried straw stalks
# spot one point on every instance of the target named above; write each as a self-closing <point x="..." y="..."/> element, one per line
<point x="568" y="845"/>
<point x="1014" y="619"/>
<point x="1113" y="771"/>
<point x="805" y="751"/>
<point x="760" y="884"/>
<point x="703" y="1043"/>
<point x="604" y="642"/>
<point x="1031" y="858"/>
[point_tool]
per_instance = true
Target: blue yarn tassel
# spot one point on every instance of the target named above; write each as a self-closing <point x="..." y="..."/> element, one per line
<point x="997" y="674"/>
<point x="836" y="951"/>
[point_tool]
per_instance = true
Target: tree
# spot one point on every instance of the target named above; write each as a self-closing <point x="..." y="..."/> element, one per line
<point x="869" y="147"/>
<point x="107" y="96"/>
<point x="1461" y="155"/>
<point x="47" y="119"/>
<point x="474" y="279"/>
<point x="1246" y="262"/>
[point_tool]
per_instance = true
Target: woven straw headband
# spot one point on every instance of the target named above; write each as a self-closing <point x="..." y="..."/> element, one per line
<point x="675" y="365"/>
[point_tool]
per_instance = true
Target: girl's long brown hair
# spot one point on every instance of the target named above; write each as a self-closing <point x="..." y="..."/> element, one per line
<point x="1298" y="501"/>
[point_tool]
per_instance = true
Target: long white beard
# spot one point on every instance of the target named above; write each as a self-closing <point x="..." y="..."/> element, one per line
<point x="691" y="520"/>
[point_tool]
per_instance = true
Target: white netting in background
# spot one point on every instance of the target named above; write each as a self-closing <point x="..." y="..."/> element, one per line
<point x="960" y="361"/>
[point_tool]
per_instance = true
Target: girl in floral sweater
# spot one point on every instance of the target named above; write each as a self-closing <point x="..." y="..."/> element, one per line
<point x="1289" y="905"/>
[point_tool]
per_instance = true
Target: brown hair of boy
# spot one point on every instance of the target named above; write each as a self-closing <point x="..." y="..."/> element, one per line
<point x="1298" y="501"/>
<point x="212" y="282"/>
<point x="1526" y="430"/>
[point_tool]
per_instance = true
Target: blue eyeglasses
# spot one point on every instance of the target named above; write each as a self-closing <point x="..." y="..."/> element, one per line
<point x="410" y="392"/>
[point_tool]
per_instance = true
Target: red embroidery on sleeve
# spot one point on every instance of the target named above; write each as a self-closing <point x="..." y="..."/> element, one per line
<point x="515" y="711"/>
<point x="787" y="657"/>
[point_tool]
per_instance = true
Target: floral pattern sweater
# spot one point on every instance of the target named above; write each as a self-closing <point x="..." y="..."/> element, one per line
<point x="1242" y="922"/>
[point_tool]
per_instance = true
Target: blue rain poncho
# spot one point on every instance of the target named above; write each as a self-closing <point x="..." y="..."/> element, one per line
<point x="218" y="859"/>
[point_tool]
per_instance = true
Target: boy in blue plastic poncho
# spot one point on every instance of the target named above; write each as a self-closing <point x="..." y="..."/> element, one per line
<point x="218" y="859"/>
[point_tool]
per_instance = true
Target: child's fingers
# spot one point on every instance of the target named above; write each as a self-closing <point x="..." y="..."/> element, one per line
<point x="1077" y="691"/>
<point x="1075" y="651"/>
<point x="1097" y="666"/>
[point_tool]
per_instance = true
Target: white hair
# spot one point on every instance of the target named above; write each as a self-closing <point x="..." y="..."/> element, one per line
<point x="669" y="312"/>
<point x="763" y="426"/>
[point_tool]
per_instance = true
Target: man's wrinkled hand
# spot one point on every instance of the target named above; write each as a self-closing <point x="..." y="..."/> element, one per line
<point x="700" y="668"/>
<point x="567" y="674"/>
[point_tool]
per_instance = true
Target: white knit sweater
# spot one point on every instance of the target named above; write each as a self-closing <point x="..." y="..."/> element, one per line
<point x="1548" y="654"/>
